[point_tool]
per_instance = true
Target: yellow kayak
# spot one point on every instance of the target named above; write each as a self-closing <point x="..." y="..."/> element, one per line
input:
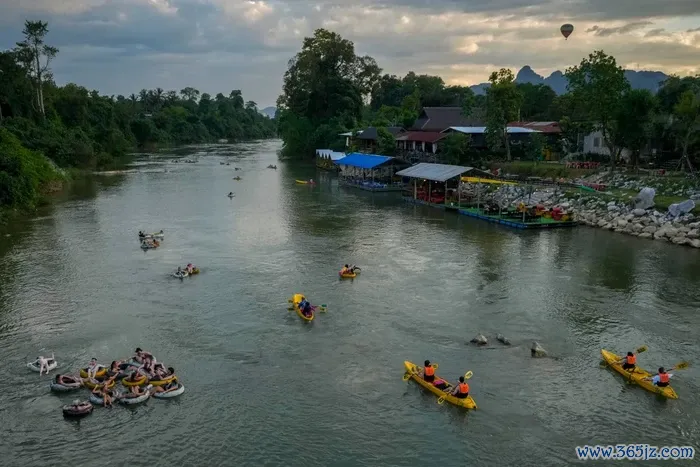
<point x="414" y="371"/>
<point x="638" y="376"/>
<point x="296" y="300"/>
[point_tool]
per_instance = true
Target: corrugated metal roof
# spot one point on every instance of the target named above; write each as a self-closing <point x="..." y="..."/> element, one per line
<point x="330" y="154"/>
<point x="434" y="172"/>
<point x="482" y="129"/>
<point x="544" y="127"/>
<point x="363" y="161"/>
<point x="422" y="136"/>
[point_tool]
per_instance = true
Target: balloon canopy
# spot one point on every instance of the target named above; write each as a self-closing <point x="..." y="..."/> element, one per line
<point x="566" y="30"/>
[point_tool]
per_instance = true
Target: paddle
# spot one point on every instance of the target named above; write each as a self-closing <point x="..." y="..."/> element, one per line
<point x="467" y="375"/>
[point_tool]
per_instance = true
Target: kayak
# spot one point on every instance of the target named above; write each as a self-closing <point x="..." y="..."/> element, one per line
<point x="414" y="371"/>
<point x="296" y="300"/>
<point x="305" y="182"/>
<point x="347" y="275"/>
<point x="638" y="376"/>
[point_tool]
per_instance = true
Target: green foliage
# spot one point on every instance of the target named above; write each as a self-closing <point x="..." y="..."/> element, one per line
<point x="535" y="146"/>
<point x="386" y="144"/>
<point x="324" y="86"/>
<point x="22" y="172"/>
<point x="76" y="127"/>
<point x="537" y="100"/>
<point x="599" y="85"/>
<point x="503" y="101"/>
<point x="455" y="148"/>
<point x="634" y="121"/>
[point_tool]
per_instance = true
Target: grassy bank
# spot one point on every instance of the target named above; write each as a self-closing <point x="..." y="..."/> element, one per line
<point x="540" y="169"/>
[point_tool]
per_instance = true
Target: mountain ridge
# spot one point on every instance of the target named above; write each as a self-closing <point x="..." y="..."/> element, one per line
<point x="650" y="80"/>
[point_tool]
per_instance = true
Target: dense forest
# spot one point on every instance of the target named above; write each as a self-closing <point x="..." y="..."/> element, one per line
<point x="328" y="90"/>
<point x="43" y="125"/>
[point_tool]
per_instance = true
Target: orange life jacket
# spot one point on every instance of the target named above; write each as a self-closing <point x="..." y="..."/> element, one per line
<point x="663" y="378"/>
<point x="429" y="371"/>
<point x="632" y="360"/>
<point x="463" y="388"/>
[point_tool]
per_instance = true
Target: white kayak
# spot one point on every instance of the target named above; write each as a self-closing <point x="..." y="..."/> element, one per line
<point x="34" y="366"/>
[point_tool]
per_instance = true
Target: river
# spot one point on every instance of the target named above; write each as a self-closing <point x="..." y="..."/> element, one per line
<point x="264" y="388"/>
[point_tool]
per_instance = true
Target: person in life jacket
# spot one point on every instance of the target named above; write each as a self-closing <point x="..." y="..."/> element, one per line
<point x="462" y="389"/>
<point x="428" y="372"/>
<point x="661" y="380"/>
<point x="629" y="363"/>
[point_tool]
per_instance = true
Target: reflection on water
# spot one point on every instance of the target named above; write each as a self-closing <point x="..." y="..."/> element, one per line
<point x="259" y="381"/>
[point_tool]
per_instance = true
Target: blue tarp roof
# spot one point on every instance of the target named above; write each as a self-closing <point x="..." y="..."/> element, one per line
<point x="363" y="161"/>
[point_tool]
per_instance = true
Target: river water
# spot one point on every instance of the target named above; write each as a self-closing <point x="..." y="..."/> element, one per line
<point x="262" y="387"/>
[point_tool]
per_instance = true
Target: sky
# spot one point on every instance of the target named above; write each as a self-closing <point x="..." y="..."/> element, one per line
<point x="123" y="46"/>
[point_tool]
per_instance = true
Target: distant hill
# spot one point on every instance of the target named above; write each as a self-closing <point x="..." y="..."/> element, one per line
<point x="650" y="80"/>
<point x="269" y="111"/>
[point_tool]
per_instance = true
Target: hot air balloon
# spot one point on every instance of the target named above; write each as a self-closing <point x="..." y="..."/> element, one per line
<point x="566" y="30"/>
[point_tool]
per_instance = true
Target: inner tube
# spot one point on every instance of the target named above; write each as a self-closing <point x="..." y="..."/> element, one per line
<point x="138" y="382"/>
<point x="100" y="373"/>
<point x="95" y="400"/>
<point x="34" y="366"/>
<point x="79" y="410"/>
<point x="58" y="387"/>
<point x="180" y="275"/>
<point x="135" y="400"/>
<point x="117" y="374"/>
<point x="170" y="394"/>
<point x="92" y="385"/>
<point x="162" y="382"/>
<point x="352" y="275"/>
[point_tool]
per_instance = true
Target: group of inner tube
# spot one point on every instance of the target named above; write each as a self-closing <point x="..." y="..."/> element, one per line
<point x="140" y="376"/>
<point x="149" y="241"/>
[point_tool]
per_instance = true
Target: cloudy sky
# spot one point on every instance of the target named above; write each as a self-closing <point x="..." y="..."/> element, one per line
<point x="122" y="46"/>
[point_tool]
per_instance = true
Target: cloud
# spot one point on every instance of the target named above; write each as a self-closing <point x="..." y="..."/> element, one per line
<point x="121" y="46"/>
<point x="624" y="29"/>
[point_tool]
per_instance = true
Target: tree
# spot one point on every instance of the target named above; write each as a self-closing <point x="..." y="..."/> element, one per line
<point x="189" y="94"/>
<point x="386" y="143"/>
<point x="535" y="146"/>
<point x="251" y="105"/>
<point x="36" y="55"/>
<point x="687" y="119"/>
<point x="503" y="99"/>
<point x="635" y="120"/>
<point x="599" y="85"/>
<point x="455" y="148"/>
<point x="326" y="80"/>
<point x="537" y="100"/>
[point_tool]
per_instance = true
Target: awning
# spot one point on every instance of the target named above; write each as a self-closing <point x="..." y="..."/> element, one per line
<point x="363" y="161"/>
<point x="486" y="180"/>
<point x="434" y="172"/>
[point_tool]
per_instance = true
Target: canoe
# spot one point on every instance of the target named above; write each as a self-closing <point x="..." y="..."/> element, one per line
<point x="346" y="275"/>
<point x="414" y="370"/>
<point x="296" y="300"/>
<point x="638" y="376"/>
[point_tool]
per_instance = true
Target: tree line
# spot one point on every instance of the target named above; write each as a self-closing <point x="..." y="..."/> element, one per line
<point x="76" y="127"/>
<point x="329" y="90"/>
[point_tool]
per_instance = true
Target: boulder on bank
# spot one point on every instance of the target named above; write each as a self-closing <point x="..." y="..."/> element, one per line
<point x="537" y="351"/>
<point x="479" y="339"/>
<point x="502" y="339"/>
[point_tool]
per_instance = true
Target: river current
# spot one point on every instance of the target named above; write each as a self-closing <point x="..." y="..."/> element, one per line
<point x="264" y="388"/>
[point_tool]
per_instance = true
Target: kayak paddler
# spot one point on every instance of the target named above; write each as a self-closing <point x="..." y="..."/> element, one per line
<point x="629" y="363"/>
<point x="661" y="380"/>
<point x="462" y="389"/>
<point x="428" y="373"/>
